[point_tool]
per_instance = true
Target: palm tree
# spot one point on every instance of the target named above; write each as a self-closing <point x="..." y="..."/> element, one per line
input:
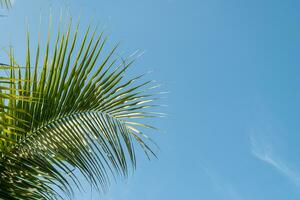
<point x="5" y="3"/>
<point x="77" y="111"/>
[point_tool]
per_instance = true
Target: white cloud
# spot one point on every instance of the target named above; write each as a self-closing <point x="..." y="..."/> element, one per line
<point x="263" y="151"/>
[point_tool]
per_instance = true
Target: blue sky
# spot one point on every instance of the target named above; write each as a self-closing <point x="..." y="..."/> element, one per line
<point x="233" y="71"/>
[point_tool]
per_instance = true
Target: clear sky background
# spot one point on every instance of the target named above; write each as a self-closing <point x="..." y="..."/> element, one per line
<point x="233" y="71"/>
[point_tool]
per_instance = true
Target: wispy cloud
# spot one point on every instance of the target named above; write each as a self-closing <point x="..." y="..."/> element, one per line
<point x="263" y="150"/>
<point x="225" y="188"/>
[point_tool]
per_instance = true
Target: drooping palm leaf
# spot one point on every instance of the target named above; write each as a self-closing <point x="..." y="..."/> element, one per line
<point x="5" y="3"/>
<point x="77" y="111"/>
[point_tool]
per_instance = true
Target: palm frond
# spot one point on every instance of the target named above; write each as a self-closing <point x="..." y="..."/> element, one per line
<point x="5" y="3"/>
<point x="77" y="111"/>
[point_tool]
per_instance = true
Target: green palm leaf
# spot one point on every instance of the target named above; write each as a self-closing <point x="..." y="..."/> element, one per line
<point x="77" y="111"/>
<point x="5" y="3"/>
